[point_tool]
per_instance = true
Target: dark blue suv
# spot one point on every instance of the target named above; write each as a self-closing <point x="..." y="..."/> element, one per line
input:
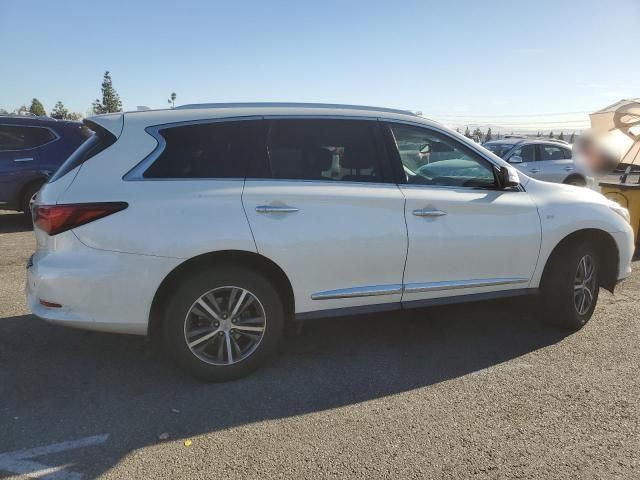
<point x="31" y="149"/>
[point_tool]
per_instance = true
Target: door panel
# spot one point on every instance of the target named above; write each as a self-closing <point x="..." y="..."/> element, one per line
<point x="341" y="244"/>
<point x="480" y="241"/>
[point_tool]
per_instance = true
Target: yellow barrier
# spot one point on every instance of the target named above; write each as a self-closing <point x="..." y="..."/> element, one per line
<point x="628" y="196"/>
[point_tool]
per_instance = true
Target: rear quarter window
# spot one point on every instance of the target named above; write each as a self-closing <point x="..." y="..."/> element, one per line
<point x="206" y="150"/>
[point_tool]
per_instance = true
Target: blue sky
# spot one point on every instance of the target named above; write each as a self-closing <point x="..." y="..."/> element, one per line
<point x="453" y="60"/>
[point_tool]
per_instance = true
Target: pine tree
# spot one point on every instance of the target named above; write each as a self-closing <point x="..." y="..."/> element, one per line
<point x="561" y="136"/>
<point x="539" y="134"/>
<point x="110" y="98"/>
<point x="487" y="137"/>
<point x="572" y="138"/>
<point x="37" y="108"/>
<point x="59" y="111"/>
<point x="467" y="133"/>
<point x="551" y="134"/>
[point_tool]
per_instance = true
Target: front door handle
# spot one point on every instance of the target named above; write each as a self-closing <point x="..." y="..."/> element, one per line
<point x="421" y="212"/>
<point x="534" y="170"/>
<point x="25" y="159"/>
<point x="275" y="209"/>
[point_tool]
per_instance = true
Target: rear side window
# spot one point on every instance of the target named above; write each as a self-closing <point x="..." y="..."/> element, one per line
<point x="335" y="150"/>
<point x="526" y="152"/>
<point x="16" y="137"/>
<point x="94" y="144"/>
<point x="213" y="150"/>
<point x="552" y="152"/>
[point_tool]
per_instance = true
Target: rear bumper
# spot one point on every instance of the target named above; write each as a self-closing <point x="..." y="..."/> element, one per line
<point x="97" y="290"/>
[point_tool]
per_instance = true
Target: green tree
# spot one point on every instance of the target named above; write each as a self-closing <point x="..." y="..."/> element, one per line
<point x="551" y="134"/>
<point x="572" y="138"/>
<point x="59" y="111"/>
<point x="172" y="100"/>
<point x="488" y="137"/>
<point x="561" y="136"/>
<point x="74" y="116"/>
<point x="37" y="108"/>
<point x="3" y="111"/>
<point x="110" y="98"/>
<point x="21" y="110"/>
<point x="467" y="133"/>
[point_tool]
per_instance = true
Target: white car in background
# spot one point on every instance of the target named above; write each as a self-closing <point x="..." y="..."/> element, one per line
<point x="544" y="159"/>
<point x="213" y="225"/>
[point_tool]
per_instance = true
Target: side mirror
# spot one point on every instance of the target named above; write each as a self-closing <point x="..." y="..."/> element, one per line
<point x="515" y="159"/>
<point x="507" y="177"/>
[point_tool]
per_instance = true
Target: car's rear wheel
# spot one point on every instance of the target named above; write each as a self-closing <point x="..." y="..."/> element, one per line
<point x="570" y="286"/>
<point x="222" y="324"/>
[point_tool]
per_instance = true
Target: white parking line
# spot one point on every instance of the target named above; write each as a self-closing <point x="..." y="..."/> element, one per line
<point x="19" y="461"/>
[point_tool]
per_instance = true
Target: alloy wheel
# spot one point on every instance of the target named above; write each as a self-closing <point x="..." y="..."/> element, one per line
<point x="584" y="285"/>
<point x="225" y="325"/>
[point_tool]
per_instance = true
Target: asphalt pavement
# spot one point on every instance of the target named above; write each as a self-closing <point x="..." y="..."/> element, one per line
<point x="481" y="391"/>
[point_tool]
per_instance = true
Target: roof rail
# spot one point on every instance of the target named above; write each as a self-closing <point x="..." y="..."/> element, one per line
<point x="556" y="140"/>
<point x="293" y="105"/>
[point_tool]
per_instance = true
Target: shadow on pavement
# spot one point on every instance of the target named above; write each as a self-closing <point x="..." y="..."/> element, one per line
<point x="14" y="222"/>
<point x="64" y="384"/>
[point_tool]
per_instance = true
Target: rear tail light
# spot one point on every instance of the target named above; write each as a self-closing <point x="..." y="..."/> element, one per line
<point x="54" y="219"/>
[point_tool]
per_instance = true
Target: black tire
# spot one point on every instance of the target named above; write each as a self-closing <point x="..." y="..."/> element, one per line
<point x="190" y="290"/>
<point x="25" y="202"/>
<point x="576" y="180"/>
<point x="560" y="305"/>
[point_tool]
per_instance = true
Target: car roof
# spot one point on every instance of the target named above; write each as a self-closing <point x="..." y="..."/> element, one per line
<point x="229" y="110"/>
<point x="519" y="141"/>
<point x="35" y="121"/>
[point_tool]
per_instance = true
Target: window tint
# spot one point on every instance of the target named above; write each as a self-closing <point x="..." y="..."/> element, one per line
<point x="567" y="153"/>
<point x="430" y="158"/>
<point x="551" y="152"/>
<point x="342" y="150"/>
<point x="14" y="137"/>
<point x="500" y="149"/>
<point x="526" y="152"/>
<point x="213" y="150"/>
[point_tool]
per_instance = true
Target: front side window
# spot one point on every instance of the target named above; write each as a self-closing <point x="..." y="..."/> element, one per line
<point x="206" y="150"/>
<point x="500" y="149"/>
<point x="430" y="158"/>
<point x="15" y="137"/>
<point x="333" y="150"/>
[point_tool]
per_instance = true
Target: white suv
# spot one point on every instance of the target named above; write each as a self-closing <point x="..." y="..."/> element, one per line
<point x="549" y="159"/>
<point x="213" y="225"/>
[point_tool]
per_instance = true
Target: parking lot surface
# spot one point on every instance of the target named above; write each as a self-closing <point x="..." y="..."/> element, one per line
<point x="474" y="391"/>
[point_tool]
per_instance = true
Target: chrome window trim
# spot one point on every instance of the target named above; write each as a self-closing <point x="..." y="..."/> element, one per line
<point x="57" y="137"/>
<point x="368" y="291"/>
<point x="136" y="174"/>
<point x="458" y="284"/>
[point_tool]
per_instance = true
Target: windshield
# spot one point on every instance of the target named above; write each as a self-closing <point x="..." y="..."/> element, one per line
<point x="499" y="149"/>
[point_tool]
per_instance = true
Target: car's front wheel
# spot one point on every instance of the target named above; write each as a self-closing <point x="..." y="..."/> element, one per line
<point x="222" y="324"/>
<point x="570" y="285"/>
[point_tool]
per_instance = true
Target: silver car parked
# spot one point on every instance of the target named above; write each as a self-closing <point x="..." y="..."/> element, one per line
<point x="549" y="160"/>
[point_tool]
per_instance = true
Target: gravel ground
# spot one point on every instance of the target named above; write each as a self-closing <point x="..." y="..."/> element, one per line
<point x="478" y="391"/>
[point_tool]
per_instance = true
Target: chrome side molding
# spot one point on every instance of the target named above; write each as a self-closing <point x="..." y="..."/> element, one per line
<point x="369" y="291"/>
<point x="456" y="284"/>
<point x="376" y="290"/>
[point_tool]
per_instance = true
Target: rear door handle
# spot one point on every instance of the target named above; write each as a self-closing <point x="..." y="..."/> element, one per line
<point x="534" y="170"/>
<point x="421" y="212"/>
<point x="25" y="159"/>
<point x="275" y="209"/>
<point x="568" y="169"/>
